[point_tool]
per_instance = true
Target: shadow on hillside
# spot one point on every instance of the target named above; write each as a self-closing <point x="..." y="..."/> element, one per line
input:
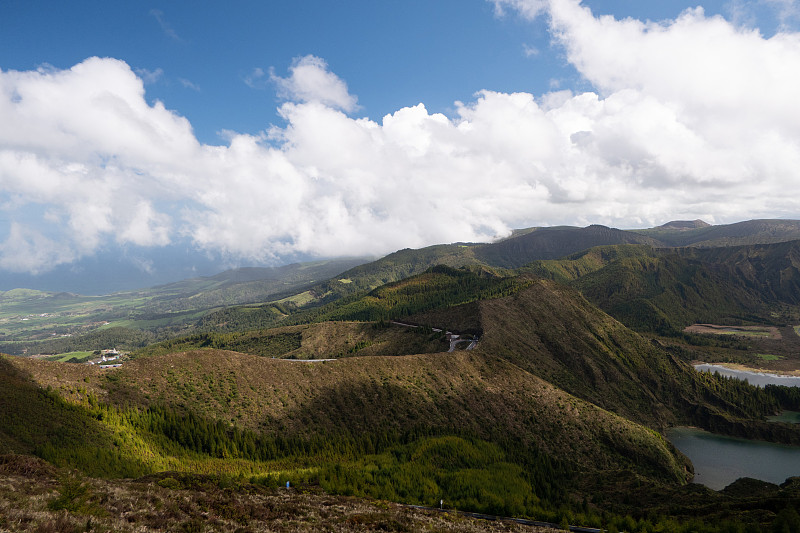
<point x="40" y="422"/>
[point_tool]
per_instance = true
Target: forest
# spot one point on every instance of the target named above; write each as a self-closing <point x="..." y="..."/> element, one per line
<point x="557" y="415"/>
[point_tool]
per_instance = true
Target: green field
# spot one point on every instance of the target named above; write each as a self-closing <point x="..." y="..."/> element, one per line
<point x="45" y="322"/>
<point x="300" y="299"/>
<point x="64" y="357"/>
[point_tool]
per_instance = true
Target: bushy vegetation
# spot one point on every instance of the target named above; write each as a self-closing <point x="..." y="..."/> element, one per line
<point x="256" y="343"/>
<point x="418" y="466"/>
<point x="122" y="338"/>
<point x="439" y="287"/>
<point x="478" y="430"/>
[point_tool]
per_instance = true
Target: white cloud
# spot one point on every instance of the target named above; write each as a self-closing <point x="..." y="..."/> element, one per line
<point x="311" y="81"/>
<point x="27" y="250"/>
<point x="255" y="79"/>
<point x="788" y="11"/>
<point x="746" y="12"/>
<point x="189" y="85"/>
<point x="528" y="8"/>
<point x="692" y="118"/>
<point x="150" y="76"/>
<point x="690" y="107"/>
<point x="165" y="26"/>
<point x="530" y="51"/>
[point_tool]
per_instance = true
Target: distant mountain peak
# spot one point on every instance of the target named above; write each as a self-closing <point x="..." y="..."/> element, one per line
<point x="685" y="224"/>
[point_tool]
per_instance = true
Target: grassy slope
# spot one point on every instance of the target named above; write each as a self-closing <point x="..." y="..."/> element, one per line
<point x="556" y="334"/>
<point x="553" y="332"/>
<point x="554" y="243"/>
<point x="394" y="267"/>
<point x="311" y="341"/>
<point x="491" y="394"/>
<point x="664" y="290"/>
<point x="32" y="492"/>
<point x="585" y="262"/>
<point x="668" y="293"/>
<point x="461" y="391"/>
<point x="740" y="233"/>
<point x="437" y="287"/>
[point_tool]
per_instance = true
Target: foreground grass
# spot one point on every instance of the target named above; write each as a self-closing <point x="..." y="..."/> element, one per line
<point x="36" y="497"/>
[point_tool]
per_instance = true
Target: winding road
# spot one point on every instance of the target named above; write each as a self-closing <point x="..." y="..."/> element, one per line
<point x="454" y="339"/>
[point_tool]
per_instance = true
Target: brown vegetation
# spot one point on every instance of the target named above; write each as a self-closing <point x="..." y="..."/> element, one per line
<point x="770" y="332"/>
<point x="36" y="497"/>
<point x="462" y="391"/>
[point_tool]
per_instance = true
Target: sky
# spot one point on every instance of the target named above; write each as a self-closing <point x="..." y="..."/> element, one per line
<point x="144" y="142"/>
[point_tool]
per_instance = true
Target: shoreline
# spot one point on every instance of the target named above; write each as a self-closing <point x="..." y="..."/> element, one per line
<point x="737" y="367"/>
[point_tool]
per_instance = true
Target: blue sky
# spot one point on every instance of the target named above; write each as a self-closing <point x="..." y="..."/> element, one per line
<point x="180" y="138"/>
<point x="392" y="54"/>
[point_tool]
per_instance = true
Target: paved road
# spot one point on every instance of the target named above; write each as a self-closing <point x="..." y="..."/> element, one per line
<point x="305" y="360"/>
<point x="454" y="340"/>
<point x="472" y="344"/>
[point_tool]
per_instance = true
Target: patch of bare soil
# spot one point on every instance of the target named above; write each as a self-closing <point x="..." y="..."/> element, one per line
<point x="769" y="348"/>
<point x="770" y="332"/>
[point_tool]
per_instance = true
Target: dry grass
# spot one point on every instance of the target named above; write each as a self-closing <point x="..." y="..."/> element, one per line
<point x="28" y="487"/>
<point x="770" y="332"/>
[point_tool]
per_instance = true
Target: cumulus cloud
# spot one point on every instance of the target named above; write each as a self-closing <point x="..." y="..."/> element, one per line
<point x="690" y="118"/>
<point x="694" y="107"/>
<point x="311" y="81"/>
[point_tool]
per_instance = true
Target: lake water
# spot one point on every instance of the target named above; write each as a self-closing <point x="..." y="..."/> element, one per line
<point x="790" y="417"/>
<point x="754" y="378"/>
<point x="719" y="461"/>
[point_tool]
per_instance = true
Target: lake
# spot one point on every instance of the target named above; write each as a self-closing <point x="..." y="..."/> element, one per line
<point x="790" y="417"/>
<point x="719" y="461"/>
<point x="754" y="378"/>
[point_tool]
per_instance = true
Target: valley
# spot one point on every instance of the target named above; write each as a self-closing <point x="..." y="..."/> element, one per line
<point x="573" y="359"/>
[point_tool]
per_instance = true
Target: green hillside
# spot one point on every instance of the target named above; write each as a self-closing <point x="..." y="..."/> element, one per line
<point x="579" y="264"/>
<point x="559" y="406"/>
<point x="544" y="245"/>
<point x="554" y="243"/>
<point x="441" y="417"/>
<point x="663" y="290"/>
<point x="665" y="294"/>
<point x="311" y="341"/>
<point x="737" y="234"/>
<point x="33" y="322"/>
<point x="541" y="326"/>
<point x="40" y="322"/>
<point x="556" y="414"/>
